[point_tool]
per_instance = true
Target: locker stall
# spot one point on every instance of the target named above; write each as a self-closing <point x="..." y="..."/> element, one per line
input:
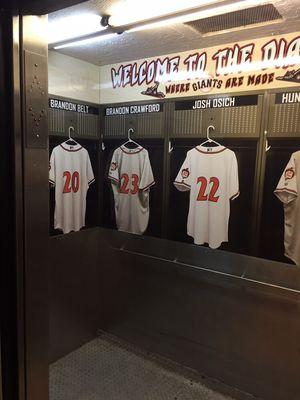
<point x="83" y="120"/>
<point x="123" y="121"/>
<point x="238" y="128"/>
<point x="283" y="135"/>
<point x="74" y="283"/>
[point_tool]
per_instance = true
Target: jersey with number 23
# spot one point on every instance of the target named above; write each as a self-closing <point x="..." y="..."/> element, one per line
<point x="131" y="177"/>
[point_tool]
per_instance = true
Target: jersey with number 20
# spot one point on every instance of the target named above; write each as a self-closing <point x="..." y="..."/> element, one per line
<point x="211" y="175"/>
<point x="131" y="176"/>
<point x="71" y="173"/>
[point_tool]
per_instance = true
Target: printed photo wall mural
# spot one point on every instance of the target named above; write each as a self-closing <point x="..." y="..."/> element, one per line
<point x="267" y="63"/>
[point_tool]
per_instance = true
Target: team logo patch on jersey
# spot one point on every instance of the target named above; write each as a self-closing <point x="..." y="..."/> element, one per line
<point x="113" y="166"/>
<point x="289" y="174"/>
<point x="185" y="173"/>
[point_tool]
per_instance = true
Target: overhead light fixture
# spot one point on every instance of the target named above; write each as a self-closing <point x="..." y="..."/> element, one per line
<point x="191" y="16"/>
<point x="83" y="42"/>
<point x="73" y="27"/>
<point x="127" y="12"/>
<point x="85" y="29"/>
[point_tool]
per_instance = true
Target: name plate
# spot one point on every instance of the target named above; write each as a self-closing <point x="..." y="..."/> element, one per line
<point x="217" y="102"/>
<point x="133" y="109"/>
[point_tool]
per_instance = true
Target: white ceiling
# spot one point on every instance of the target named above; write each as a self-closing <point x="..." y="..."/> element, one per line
<point x="170" y="39"/>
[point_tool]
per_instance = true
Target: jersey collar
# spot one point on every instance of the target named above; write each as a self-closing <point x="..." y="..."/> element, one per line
<point x="69" y="147"/>
<point x="210" y="150"/>
<point x="131" y="151"/>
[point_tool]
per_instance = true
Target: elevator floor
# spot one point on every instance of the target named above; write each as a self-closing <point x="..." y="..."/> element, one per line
<point x="109" y="369"/>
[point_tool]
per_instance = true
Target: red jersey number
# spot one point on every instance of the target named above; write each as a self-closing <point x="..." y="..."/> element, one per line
<point x="134" y="186"/>
<point x="71" y="182"/>
<point x="214" y="186"/>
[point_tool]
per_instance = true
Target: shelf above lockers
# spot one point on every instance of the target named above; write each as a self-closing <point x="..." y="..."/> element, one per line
<point x="146" y="119"/>
<point x="83" y="116"/>
<point x="233" y="116"/>
<point x="284" y="115"/>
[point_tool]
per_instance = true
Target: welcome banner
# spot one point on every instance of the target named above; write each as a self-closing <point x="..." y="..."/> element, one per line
<point x="267" y="63"/>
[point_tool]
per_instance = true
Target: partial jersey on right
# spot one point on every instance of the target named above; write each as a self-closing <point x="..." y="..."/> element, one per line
<point x="287" y="192"/>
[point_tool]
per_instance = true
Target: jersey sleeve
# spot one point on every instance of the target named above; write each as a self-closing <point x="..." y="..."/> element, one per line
<point x="286" y="189"/>
<point x="183" y="179"/>
<point x="234" y="190"/>
<point x="89" y="171"/>
<point x="146" y="179"/>
<point x="113" y="173"/>
<point x="52" y="169"/>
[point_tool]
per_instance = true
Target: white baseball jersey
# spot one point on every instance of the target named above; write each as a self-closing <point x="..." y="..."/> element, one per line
<point x="71" y="173"/>
<point x="288" y="192"/>
<point x="211" y="175"/>
<point x="131" y="178"/>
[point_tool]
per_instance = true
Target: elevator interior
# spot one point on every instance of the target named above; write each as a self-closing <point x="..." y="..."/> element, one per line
<point x="126" y="316"/>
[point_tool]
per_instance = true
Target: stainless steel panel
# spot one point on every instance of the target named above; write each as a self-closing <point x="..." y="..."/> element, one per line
<point x="35" y="173"/>
<point x="36" y="97"/>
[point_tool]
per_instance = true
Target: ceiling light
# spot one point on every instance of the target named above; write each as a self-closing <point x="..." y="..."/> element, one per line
<point x="218" y="10"/>
<point x="73" y="27"/>
<point x="83" y="42"/>
<point x="127" y="12"/>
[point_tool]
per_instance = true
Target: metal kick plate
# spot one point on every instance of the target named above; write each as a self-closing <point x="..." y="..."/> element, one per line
<point x="36" y="100"/>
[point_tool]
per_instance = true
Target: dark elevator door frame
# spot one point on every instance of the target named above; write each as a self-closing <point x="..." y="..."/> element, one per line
<point x="26" y="58"/>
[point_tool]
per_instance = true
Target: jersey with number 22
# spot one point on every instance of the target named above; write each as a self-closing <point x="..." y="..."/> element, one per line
<point x="211" y="175"/>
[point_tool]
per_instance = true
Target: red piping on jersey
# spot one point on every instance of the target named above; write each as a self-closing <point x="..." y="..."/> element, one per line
<point x="128" y="152"/>
<point x="210" y="152"/>
<point x="182" y="183"/>
<point x="113" y="179"/>
<point x="234" y="196"/>
<point x="286" y="190"/>
<point x="147" y="187"/>
<point x="70" y="149"/>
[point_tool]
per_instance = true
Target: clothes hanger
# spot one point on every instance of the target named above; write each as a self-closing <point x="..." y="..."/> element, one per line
<point x="208" y="138"/>
<point x="71" y="141"/>
<point x="130" y="130"/>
